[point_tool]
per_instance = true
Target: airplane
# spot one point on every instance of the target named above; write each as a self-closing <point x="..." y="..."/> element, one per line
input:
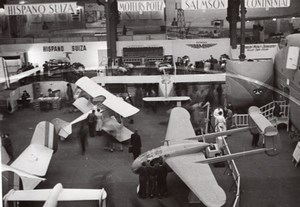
<point x="110" y="124"/>
<point x="33" y="163"/>
<point x="185" y="155"/>
<point x="167" y="89"/>
<point x="35" y="159"/>
<point x="286" y="79"/>
<point x="261" y="81"/>
<point x="58" y="193"/>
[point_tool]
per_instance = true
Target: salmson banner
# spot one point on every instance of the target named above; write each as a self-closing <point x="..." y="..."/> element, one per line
<point x="203" y="4"/>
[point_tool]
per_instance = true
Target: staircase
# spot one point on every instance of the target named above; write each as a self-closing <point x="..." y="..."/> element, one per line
<point x="241" y="120"/>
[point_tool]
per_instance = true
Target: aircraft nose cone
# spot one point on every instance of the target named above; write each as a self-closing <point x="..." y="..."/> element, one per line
<point x="136" y="165"/>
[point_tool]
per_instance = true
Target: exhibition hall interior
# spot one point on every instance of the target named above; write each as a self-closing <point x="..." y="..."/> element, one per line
<point x="150" y="103"/>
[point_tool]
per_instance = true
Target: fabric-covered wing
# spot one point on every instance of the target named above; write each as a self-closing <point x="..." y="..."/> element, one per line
<point x="19" y="76"/>
<point x="65" y="195"/>
<point x="199" y="178"/>
<point x="117" y="130"/>
<point x="111" y="101"/>
<point x="180" y="126"/>
<point x="29" y="181"/>
<point x="34" y="159"/>
<point x="171" y="98"/>
<point x="44" y="135"/>
<point x="83" y="105"/>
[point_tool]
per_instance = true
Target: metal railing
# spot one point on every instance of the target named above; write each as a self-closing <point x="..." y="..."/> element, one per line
<point x="241" y="120"/>
<point x="235" y="174"/>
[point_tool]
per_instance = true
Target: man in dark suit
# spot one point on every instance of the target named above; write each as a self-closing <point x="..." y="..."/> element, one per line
<point x="92" y="121"/>
<point x="136" y="144"/>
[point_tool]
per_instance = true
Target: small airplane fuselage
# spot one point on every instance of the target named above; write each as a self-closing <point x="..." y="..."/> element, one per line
<point x="165" y="152"/>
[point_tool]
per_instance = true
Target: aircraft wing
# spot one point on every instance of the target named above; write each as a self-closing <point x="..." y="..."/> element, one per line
<point x="15" y="78"/>
<point x="83" y="105"/>
<point x="180" y="126"/>
<point x="29" y="181"/>
<point x="65" y="195"/>
<point x="111" y="101"/>
<point x="171" y="98"/>
<point x="34" y="159"/>
<point x="117" y="130"/>
<point x="199" y="178"/>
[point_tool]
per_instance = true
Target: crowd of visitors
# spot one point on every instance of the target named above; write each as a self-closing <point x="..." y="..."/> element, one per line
<point x="153" y="179"/>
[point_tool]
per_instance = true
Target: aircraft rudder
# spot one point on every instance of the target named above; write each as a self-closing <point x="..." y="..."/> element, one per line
<point x="44" y="134"/>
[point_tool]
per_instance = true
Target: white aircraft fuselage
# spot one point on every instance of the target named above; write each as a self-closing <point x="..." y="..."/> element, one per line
<point x="168" y="151"/>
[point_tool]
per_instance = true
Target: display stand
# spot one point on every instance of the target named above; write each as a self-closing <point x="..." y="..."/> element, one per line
<point x="296" y="154"/>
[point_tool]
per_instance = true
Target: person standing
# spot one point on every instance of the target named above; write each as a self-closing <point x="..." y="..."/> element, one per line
<point x="277" y="111"/>
<point x="162" y="172"/>
<point x="7" y="144"/>
<point x="219" y="90"/>
<point x="229" y="115"/>
<point x="255" y="136"/>
<point x="25" y="97"/>
<point x="70" y="94"/>
<point x="143" y="179"/>
<point x="152" y="179"/>
<point x="136" y="144"/>
<point x="92" y="121"/>
<point x="83" y="137"/>
<point x="99" y="122"/>
<point x="220" y="122"/>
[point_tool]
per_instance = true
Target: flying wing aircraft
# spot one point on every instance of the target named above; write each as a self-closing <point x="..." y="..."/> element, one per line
<point x="183" y="155"/>
<point x="58" y="193"/>
<point x="110" y="124"/>
<point x="35" y="159"/>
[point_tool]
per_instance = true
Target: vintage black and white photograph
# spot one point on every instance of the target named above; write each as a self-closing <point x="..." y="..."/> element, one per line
<point x="150" y="103"/>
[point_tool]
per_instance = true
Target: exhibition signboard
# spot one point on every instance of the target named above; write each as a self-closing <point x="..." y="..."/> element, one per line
<point x="34" y="9"/>
<point x="255" y="4"/>
<point x="203" y="4"/>
<point x="141" y="6"/>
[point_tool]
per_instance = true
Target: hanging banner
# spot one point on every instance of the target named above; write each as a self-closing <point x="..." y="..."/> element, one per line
<point x="203" y="4"/>
<point x="33" y="9"/>
<point x="267" y="3"/>
<point x="140" y="6"/>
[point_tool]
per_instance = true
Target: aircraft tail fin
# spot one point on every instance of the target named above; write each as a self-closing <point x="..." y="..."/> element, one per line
<point x="232" y="156"/>
<point x="62" y="128"/>
<point x="266" y="128"/>
<point x="45" y="135"/>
